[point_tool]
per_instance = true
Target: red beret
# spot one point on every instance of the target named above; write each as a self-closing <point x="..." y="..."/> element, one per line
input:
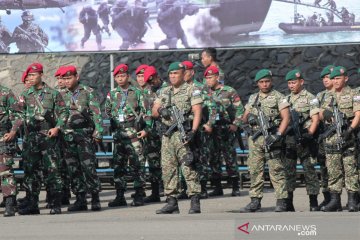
<point x="212" y="70"/>
<point x="188" y="65"/>
<point x="122" y="68"/>
<point x="23" y="76"/>
<point x="58" y="71"/>
<point x="141" y="69"/>
<point x="68" y="71"/>
<point x="35" y="67"/>
<point x="149" y="73"/>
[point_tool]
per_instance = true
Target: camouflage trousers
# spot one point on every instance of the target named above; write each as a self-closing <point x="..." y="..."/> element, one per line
<point x="342" y="166"/>
<point x="64" y="172"/>
<point x="42" y="163"/>
<point x="223" y="149"/>
<point x="173" y="155"/>
<point x="7" y="181"/>
<point x="81" y="161"/>
<point x="152" y="153"/>
<point x="128" y="158"/>
<point x="202" y="147"/>
<point x="301" y="151"/>
<point x="256" y="162"/>
<point x="321" y="159"/>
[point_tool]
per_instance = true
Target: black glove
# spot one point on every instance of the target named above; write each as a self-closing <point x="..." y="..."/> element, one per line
<point x="252" y="119"/>
<point x="347" y="134"/>
<point x="307" y="136"/>
<point x="327" y="114"/>
<point x="190" y="136"/>
<point x="271" y="139"/>
<point x="164" y="113"/>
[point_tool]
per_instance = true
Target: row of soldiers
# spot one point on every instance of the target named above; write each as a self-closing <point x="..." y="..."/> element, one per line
<point x="185" y="124"/>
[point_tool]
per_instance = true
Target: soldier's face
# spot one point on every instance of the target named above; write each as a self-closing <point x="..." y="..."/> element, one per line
<point x="295" y="86"/>
<point x="188" y="76"/>
<point x="61" y="82"/>
<point x="205" y="59"/>
<point x="140" y="79"/>
<point x="212" y="80"/>
<point x="34" y="78"/>
<point x="71" y="81"/>
<point x="328" y="84"/>
<point x="176" y="77"/>
<point x="155" y="82"/>
<point x="122" y="79"/>
<point x="27" y="83"/>
<point x="264" y="85"/>
<point x="339" y="82"/>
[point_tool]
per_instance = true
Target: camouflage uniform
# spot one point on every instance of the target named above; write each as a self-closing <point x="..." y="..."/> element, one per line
<point x="342" y="164"/>
<point x="5" y="38"/>
<point x="25" y="43"/>
<point x="271" y="103"/>
<point x="9" y="114"/>
<point x="120" y="106"/>
<point x="306" y="105"/>
<point x="43" y="109"/>
<point x="84" y="124"/>
<point x="173" y="151"/>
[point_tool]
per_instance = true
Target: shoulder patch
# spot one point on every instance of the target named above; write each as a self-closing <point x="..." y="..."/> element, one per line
<point x="314" y="102"/>
<point x="196" y="92"/>
<point x="356" y="98"/>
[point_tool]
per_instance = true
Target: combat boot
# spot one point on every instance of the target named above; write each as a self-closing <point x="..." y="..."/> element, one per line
<point x="289" y="203"/>
<point x="327" y="199"/>
<point x="80" y="204"/>
<point x="66" y="197"/>
<point x="195" y="204"/>
<point x="334" y="205"/>
<point x="95" y="202"/>
<point x="119" y="200"/>
<point x="138" y="198"/>
<point x="352" y="202"/>
<point x="161" y="189"/>
<point x="253" y="206"/>
<point x="218" y="191"/>
<point x="203" y="194"/>
<point x="56" y="203"/>
<point x="281" y="205"/>
<point x="313" y="203"/>
<point x="170" y="208"/>
<point x="9" y="206"/>
<point x="154" y="197"/>
<point x="32" y="208"/>
<point x="235" y="187"/>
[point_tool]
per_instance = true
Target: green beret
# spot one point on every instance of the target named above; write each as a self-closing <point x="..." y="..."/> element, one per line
<point x="175" y="66"/>
<point x="327" y="70"/>
<point x="263" y="73"/>
<point x="338" y="71"/>
<point x="293" y="75"/>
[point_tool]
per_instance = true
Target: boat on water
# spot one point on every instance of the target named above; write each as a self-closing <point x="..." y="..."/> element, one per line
<point x="294" y="28"/>
<point x="240" y="16"/>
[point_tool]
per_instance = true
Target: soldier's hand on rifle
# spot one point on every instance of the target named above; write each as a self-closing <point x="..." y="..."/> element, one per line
<point x="207" y="128"/>
<point x="347" y="134"/>
<point x="252" y="119"/>
<point x="9" y="136"/>
<point x="189" y="136"/>
<point x="273" y="138"/>
<point x="233" y="128"/>
<point x="141" y="134"/>
<point x="53" y="132"/>
<point x="164" y="113"/>
<point x="327" y="115"/>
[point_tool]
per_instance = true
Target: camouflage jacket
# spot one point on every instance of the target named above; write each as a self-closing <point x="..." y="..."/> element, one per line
<point x="43" y="106"/>
<point x="62" y="91"/>
<point x="183" y="99"/>
<point x="321" y="97"/>
<point x="306" y="104"/>
<point x="271" y="104"/>
<point x="228" y="103"/>
<point x="31" y="38"/>
<point x="120" y="106"/>
<point x="9" y="111"/>
<point x="5" y="39"/>
<point x="84" y="109"/>
<point x="209" y="110"/>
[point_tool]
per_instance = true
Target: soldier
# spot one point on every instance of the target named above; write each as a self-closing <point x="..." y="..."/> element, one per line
<point x="227" y="122"/>
<point x="44" y="113"/>
<point x="304" y="109"/>
<point x="328" y="84"/>
<point x="29" y="37"/>
<point x="126" y="108"/>
<point x="341" y="109"/>
<point x="209" y="58"/>
<point x="89" y="18"/>
<point x="140" y="17"/>
<point x="176" y="100"/>
<point x="82" y="131"/>
<point x="5" y="38"/>
<point x="9" y="125"/>
<point x="267" y="104"/>
<point x="104" y="13"/>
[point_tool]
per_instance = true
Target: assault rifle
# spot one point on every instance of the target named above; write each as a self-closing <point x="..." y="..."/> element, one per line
<point x="178" y="121"/>
<point x="264" y="124"/>
<point x="33" y="38"/>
